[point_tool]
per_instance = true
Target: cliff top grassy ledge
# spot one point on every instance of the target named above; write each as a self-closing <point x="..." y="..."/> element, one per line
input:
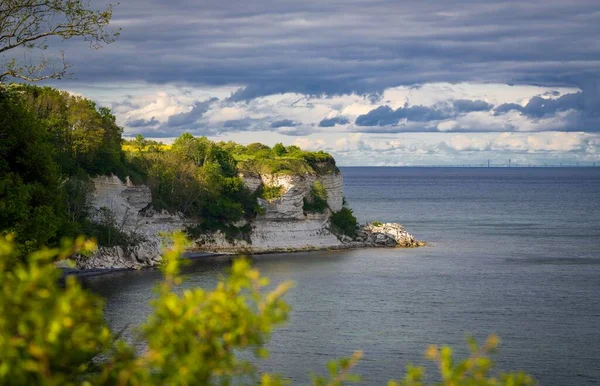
<point x="252" y="160"/>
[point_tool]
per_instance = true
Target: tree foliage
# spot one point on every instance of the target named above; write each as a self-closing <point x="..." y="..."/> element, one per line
<point x="50" y="142"/>
<point x="279" y="150"/>
<point x="28" y="25"/>
<point x="344" y="222"/>
<point x="270" y="192"/>
<point x="316" y="202"/>
<point x="56" y="335"/>
<point x="31" y="196"/>
<point x="86" y="137"/>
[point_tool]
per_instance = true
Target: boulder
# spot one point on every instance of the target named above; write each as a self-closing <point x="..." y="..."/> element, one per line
<point x="389" y="234"/>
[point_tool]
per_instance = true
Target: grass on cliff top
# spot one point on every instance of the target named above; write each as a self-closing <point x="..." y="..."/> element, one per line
<point x="253" y="159"/>
<point x="257" y="159"/>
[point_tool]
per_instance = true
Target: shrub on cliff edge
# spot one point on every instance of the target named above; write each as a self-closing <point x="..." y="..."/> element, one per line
<point x="344" y="222"/>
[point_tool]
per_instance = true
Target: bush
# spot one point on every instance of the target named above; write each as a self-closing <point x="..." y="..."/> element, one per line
<point x="56" y="335"/>
<point x="344" y="222"/>
<point x="270" y="193"/>
<point x="316" y="202"/>
<point x="377" y="224"/>
<point x="279" y="150"/>
<point x="270" y="165"/>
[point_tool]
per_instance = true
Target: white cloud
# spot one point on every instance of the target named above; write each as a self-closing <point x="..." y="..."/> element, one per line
<point x="467" y="138"/>
<point x="541" y="142"/>
<point x="464" y="143"/>
<point x="311" y="144"/>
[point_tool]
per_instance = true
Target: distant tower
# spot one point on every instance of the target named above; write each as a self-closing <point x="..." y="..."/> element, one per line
<point x="488" y="163"/>
<point x="509" y="160"/>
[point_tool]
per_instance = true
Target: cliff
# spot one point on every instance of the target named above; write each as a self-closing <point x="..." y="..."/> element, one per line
<point x="284" y="225"/>
<point x="130" y="209"/>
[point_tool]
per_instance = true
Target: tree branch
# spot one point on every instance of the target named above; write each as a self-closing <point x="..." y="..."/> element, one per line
<point x="29" y="23"/>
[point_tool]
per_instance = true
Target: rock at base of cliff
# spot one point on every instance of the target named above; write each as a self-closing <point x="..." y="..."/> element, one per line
<point x="145" y="254"/>
<point x="386" y="235"/>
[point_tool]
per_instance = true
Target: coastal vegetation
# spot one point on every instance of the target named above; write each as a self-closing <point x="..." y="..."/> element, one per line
<point x="344" y="222"/>
<point x="270" y="192"/>
<point x="316" y="201"/>
<point x="202" y="179"/>
<point x="53" y="142"/>
<point x="52" y="334"/>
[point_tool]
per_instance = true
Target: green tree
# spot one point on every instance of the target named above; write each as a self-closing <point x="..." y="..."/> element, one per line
<point x="344" y="222"/>
<point x="279" y="150"/>
<point x="85" y="137"/>
<point x="140" y="143"/>
<point x="31" y="197"/>
<point x="30" y="24"/>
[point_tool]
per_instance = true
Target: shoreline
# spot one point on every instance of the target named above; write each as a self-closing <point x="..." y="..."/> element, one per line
<point x="202" y="254"/>
<point x="352" y="245"/>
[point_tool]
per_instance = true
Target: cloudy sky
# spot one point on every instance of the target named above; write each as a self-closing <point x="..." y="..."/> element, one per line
<point x="375" y="82"/>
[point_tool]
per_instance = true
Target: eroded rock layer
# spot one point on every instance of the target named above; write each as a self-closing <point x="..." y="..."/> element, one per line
<point x="284" y="226"/>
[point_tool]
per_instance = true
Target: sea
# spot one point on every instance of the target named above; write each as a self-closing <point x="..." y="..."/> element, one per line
<point x="511" y="251"/>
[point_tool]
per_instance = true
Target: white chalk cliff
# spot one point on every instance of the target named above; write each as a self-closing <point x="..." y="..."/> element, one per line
<point x="284" y="226"/>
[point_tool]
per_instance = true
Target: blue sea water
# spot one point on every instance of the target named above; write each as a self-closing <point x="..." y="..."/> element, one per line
<point x="512" y="251"/>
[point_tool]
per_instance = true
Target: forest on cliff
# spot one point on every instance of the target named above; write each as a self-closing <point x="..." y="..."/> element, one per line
<point x="53" y="142"/>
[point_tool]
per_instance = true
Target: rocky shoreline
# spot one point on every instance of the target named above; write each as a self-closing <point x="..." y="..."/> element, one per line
<point x="284" y="227"/>
<point x="148" y="254"/>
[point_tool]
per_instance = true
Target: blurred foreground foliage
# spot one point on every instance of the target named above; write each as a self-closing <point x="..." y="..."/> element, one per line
<point x="53" y="334"/>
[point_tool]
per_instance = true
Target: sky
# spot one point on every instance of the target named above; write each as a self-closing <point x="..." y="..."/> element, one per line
<point x="374" y="82"/>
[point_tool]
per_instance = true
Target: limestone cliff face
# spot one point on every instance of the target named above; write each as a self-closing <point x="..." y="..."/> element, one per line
<point x="294" y="189"/>
<point x="129" y="206"/>
<point x="283" y="227"/>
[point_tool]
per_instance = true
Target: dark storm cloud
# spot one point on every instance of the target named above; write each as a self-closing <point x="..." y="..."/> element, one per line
<point x="331" y="122"/>
<point x="468" y="106"/>
<point x="239" y="124"/>
<point x="582" y="108"/>
<point x="381" y="116"/>
<point x="136" y="123"/>
<point x="539" y="107"/>
<point x="283" y="123"/>
<point x="386" y="116"/>
<point x="191" y="117"/>
<point x="324" y="48"/>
